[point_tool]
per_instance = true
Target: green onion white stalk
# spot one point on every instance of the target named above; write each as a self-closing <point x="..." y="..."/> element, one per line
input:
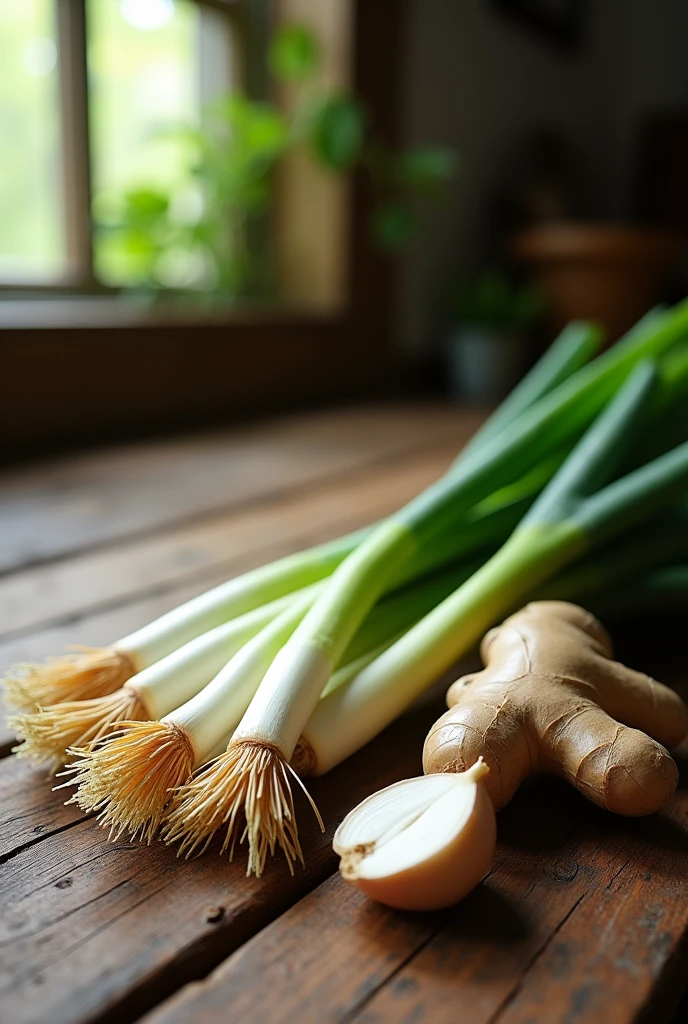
<point x="127" y="778"/>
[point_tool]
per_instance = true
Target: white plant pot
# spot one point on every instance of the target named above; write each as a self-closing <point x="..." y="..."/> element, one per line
<point x="484" y="364"/>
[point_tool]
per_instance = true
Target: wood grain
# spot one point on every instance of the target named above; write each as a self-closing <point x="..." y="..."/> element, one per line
<point x="93" y="930"/>
<point x="579" y="920"/>
<point x="29" y="809"/>
<point x="225" y="543"/>
<point x="69" y="504"/>
<point x="583" y="917"/>
<point x="320" y="960"/>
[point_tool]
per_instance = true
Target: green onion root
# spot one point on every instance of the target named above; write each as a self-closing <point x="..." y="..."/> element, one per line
<point x="92" y="672"/>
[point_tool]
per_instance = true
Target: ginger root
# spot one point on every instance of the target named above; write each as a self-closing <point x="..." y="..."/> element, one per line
<point x="551" y="700"/>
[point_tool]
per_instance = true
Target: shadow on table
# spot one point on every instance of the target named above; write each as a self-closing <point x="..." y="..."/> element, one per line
<point x="488" y="916"/>
<point x="548" y="815"/>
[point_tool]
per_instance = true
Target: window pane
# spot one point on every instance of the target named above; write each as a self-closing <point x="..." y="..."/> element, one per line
<point x="143" y="77"/>
<point x="32" y="242"/>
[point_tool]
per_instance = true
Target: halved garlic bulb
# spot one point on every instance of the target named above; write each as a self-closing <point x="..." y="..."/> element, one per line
<point x="420" y="844"/>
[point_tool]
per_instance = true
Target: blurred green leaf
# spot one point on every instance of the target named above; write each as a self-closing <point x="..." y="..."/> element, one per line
<point x="242" y="137"/>
<point x="393" y="225"/>
<point x="293" y="53"/>
<point x="266" y="131"/>
<point x="143" y="205"/>
<point x="197" y="235"/>
<point x="137" y="245"/>
<point x="130" y="250"/>
<point x="229" y="109"/>
<point x="494" y="300"/>
<point x="338" y="132"/>
<point x="192" y="138"/>
<point x="425" y="167"/>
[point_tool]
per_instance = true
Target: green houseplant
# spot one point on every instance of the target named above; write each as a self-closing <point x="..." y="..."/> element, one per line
<point x="207" y="236"/>
<point x="486" y="348"/>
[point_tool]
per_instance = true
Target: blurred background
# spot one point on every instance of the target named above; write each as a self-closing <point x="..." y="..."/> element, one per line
<point x="214" y="209"/>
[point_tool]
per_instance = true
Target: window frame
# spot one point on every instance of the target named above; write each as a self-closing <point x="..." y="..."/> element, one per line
<point x="76" y="165"/>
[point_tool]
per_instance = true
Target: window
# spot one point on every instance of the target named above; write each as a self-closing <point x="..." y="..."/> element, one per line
<point x="87" y="91"/>
<point x="32" y="231"/>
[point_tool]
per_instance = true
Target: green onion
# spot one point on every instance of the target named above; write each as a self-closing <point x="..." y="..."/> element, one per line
<point x="566" y="521"/>
<point x="578" y="510"/>
<point x="659" y="542"/>
<point x="255" y="778"/>
<point x="48" y="732"/>
<point x="575" y="346"/>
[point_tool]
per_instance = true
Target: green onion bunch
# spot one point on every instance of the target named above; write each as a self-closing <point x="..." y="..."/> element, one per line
<point x="206" y="719"/>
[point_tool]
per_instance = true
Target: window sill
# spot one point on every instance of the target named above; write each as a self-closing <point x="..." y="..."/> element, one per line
<point x="96" y="368"/>
<point x="89" y="312"/>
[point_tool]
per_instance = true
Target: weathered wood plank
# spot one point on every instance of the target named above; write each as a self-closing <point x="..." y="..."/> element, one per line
<point x="226" y="542"/>
<point x="69" y="504"/>
<point x="620" y="949"/>
<point x="103" y="931"/>
<point x="483" y="927"/>
<point x="317" y="962"/>
<point x="583" y="916"/>
<point x="29" y="810"/>
<point x="579" y="920"/>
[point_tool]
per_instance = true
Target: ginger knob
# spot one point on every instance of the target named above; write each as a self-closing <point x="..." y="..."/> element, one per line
<point x="551" y="700"/>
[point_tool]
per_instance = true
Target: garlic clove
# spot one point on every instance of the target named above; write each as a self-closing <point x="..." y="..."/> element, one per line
<point x="421" y="844"/>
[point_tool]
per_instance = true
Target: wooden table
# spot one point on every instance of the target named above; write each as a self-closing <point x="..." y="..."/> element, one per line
<point x="582" y="917"/>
